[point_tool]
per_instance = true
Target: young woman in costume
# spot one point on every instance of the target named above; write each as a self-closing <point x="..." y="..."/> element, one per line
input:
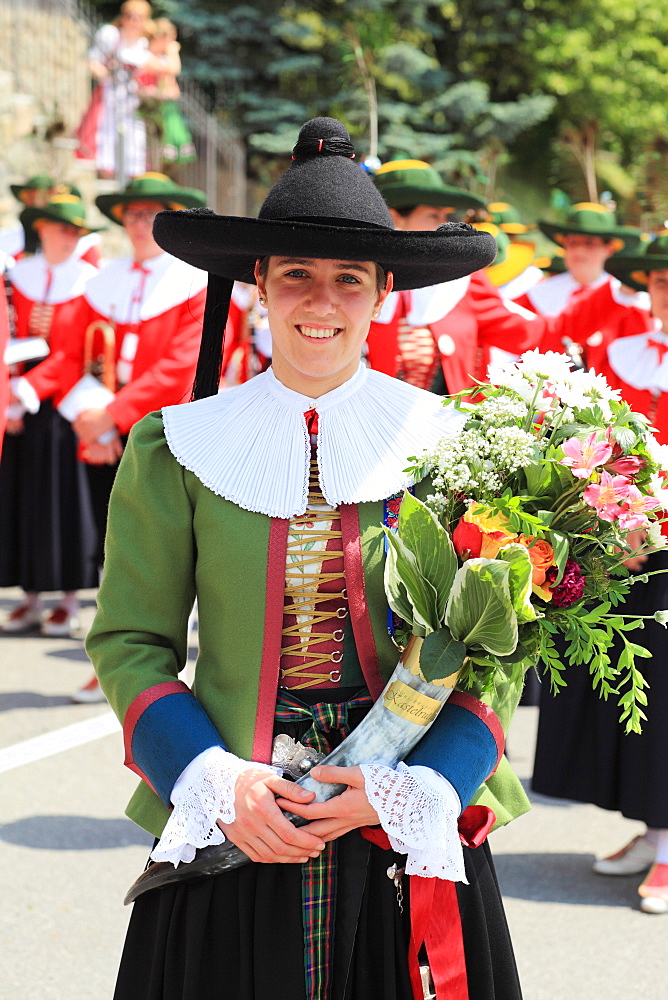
<point x="47" y="534"/>
<point x="266" y="502"/>
<point x="582" y="752"/>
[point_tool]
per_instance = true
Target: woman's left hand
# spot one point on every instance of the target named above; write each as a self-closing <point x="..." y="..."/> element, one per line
<point x="339" y="815"/>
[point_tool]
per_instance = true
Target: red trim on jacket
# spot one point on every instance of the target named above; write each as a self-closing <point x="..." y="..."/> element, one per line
<point x="137" y="709"/>
<point x="273" y="630"/>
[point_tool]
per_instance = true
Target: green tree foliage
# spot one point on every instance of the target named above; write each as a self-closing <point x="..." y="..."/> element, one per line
<point x="272" y="67"/>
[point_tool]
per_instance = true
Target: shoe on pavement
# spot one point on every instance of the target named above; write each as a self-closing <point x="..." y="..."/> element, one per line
<point x="23" y="617"/>
<point x="90" y="693"/>
<point x="60" y="622"/>
<point x="654" y="890"/>
<point x="633" y="859"/>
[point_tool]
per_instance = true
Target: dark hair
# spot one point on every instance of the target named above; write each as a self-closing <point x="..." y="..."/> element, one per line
<point x="381" y="275"/>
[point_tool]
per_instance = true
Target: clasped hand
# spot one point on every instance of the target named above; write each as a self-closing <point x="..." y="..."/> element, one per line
<point x="262" y="831"/>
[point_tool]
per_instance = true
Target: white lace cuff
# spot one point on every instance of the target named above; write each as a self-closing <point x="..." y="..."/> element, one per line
<point x="418" y="810"/>
<point x="203" y="793"/>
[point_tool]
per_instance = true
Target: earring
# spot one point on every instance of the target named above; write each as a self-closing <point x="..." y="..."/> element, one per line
<point x="376" y="313"/>
<point x="262" y="300"/>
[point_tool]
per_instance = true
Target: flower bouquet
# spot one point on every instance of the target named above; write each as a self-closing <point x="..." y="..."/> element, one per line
<point x="525" y="532"/>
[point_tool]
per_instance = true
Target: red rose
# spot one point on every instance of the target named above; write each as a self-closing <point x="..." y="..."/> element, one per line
<point x="467" y="539"/>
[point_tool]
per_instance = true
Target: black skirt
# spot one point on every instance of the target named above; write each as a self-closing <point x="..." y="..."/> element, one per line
<point x="238" y="936"/>
<point x="582" y="752"/>
<point x="47" y="535"/>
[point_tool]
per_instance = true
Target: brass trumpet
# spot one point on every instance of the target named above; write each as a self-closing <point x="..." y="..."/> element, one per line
<point x="103" y="367"/>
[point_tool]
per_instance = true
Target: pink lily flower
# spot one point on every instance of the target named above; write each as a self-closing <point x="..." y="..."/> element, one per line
<point x="628" y="465"/>
<point x="583" y="457"/>
<point x="634" y="510"/>
<point x="604" y="497"/>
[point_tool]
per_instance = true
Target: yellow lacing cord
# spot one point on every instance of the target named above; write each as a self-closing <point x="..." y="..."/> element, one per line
<point x="301" y="590"/>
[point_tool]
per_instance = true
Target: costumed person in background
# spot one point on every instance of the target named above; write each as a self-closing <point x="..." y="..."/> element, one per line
<point x="441" y="338"/>
<point x="47" y="535"/>
<point x="266" y="503"/>
<point x="34" y="193"/>
<point x="22" y="239"/>
<point x="582" y="752"/>
<point x="142" y="327"/>
<point x="4" y="371"/>
<point x="111" y="133"/>
<point x="160" y="95"/>
<point x="589" y="236"/>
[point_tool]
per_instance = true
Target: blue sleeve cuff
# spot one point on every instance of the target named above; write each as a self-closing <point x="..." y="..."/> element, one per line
<point x="165" y="728"/>
<point x="464" y="744"/>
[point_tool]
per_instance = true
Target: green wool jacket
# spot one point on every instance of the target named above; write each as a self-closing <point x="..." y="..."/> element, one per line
<point x="170" y="540"/>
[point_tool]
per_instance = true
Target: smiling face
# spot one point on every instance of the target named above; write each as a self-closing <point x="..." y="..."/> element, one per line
<point x="657" y="286"/>
<point x="319" y="316"/>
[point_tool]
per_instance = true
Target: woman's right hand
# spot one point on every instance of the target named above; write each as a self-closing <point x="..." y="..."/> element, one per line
<point x="260" y="829"/>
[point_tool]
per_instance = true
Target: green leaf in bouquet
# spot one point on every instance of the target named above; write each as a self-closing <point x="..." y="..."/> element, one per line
<point x="431" y="545"/>
<point x="538" y="478"/>
<point x="395" y="591"/>
<point x="480" y="610"/>
<point x="419" y="591"/>
<point x="625" y="437"/>
<point x="441" y="655"/>
<point x="559" y="545"/>
<point x="519" y="581"/>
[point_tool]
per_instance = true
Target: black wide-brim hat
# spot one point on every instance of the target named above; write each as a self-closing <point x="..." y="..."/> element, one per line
<point x="633" y="269"/>
<point x="323" y="207"/>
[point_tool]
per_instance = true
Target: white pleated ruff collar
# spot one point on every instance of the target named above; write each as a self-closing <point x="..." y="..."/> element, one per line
<point x="250" y="444"/>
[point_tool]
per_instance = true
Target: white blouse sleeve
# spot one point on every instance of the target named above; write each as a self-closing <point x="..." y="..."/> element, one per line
<point x="203" y="794"/>
<point x="418" y="809"/>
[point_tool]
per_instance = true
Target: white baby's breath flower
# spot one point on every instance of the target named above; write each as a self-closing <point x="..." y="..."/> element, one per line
<point x="498" y="411"/>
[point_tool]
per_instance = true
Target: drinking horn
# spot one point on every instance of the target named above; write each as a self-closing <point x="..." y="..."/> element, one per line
<point x="406" y="708"/>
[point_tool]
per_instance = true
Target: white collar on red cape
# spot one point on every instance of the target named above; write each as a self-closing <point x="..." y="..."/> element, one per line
<point x="638" y="362"/>
<point x="427" y="305"/>
<point x="250" y="444"/>
<point x="68" y="280"/>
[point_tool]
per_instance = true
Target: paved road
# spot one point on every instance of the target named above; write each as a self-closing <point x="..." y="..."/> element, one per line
<point x="67" y="855"/>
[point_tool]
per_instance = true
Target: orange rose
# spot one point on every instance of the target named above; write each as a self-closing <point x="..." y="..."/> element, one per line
<point x="541" y="555"/>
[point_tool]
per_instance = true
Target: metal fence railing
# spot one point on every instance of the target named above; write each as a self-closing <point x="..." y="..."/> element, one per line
<point x="44" y="46"/>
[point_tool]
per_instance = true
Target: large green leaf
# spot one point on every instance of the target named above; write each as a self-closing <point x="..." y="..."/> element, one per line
<point x="441" y="655"/>
<point x="431" y="545"/>
<point x="397" y="595"/>
<point x="420" y="592"/>
<point x="480" y="610"/>
<point x="519" y="580"/>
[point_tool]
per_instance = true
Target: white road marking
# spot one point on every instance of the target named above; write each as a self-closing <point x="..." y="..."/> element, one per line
<point x="54" y="742"/>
